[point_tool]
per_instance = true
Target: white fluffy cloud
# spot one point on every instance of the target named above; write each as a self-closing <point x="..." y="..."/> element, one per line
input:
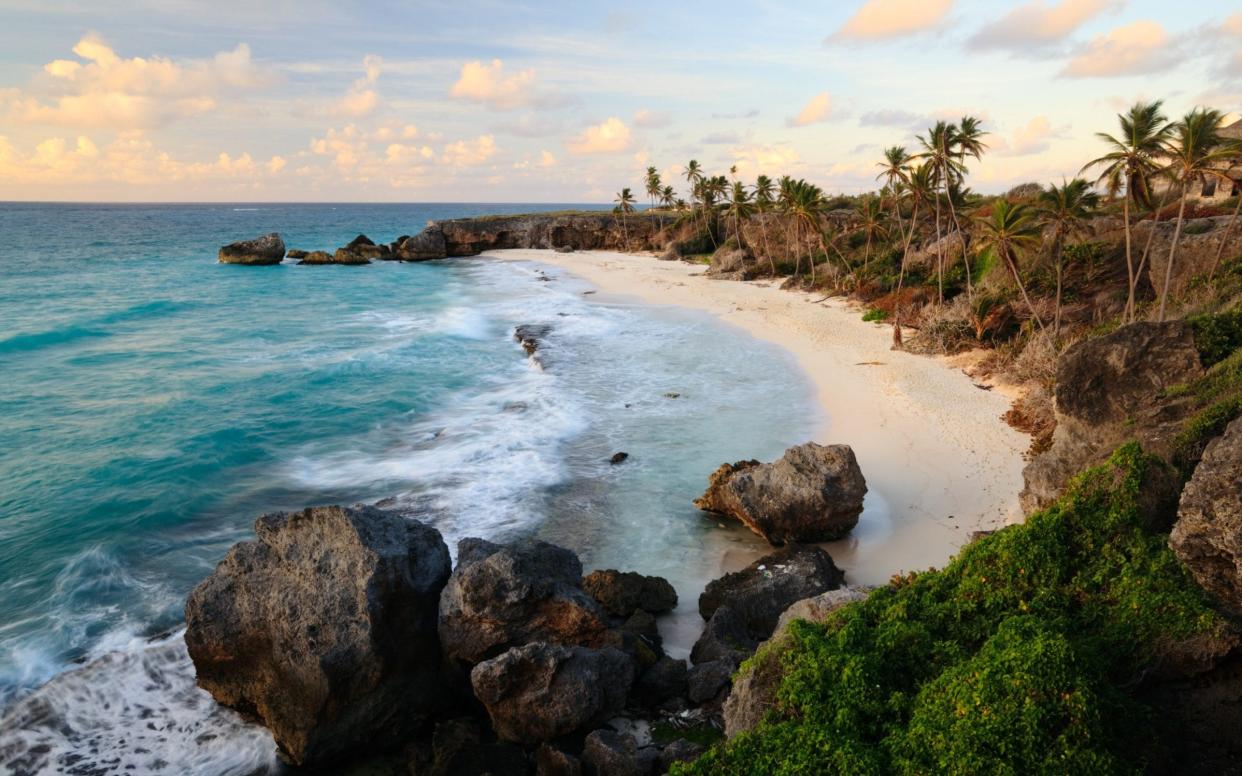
<point x="887" y="19"/>
<point x="1141" y="47"/>
<point x="1034" y="137"/>
<point x="1038" y="24"/>
<point x="362" y="98"/>
<point x="610" y="137"/>
<point x="774" y="160"/>
<point x="817" y="109"/>
<point x="466" y="153"/>
<point x="648" y="119"/>
<point x="490" y="85"/>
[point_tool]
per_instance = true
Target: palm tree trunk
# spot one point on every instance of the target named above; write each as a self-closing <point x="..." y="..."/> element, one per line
<point x="1168" y="269"/>
<point x="901" y="278"/>
<point x="1017" y="278"/>
<point x="867" y="254"/>
<point x="1151" y="236"/>
<point x="939" y="256"/>
<point x="810" y="255"/>
<point x="961" y="236"/>
<point x="1125" y="215"/>
<point x="1057" y="254"/>
<point x="1220" y="252"/>
<point x="767" y="248"/>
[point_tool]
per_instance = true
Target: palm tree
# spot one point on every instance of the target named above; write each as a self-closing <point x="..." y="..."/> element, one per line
<point x="1009" y="231"/>
<point x="1233" y="221"/>
<point x="1063" y="209"/>
<point x="969" y="138"/>
<point x="668" y="197"/>
<point x="895" y="170"/>
<point x="713" y="190"/>
<point x="920" y="190"/>
<point x="1128" y="167"/>
<point x="872" y="223"/>
<point x="652" y="179"/>
<point x="1195" y="151"/>
<point x="939" y="152"/>
<point x="740" y="206"/>
<point x="625" y="206"/>
<point x="764" y="199"/>
<point x="805" y="203"/>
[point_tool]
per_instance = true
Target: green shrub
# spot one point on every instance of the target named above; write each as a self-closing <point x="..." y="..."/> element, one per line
<point x="1019" y="657"/>
<point x="875" y="315"/>
<point x="1198" y="227"/>
<point x="1217" y="335"/>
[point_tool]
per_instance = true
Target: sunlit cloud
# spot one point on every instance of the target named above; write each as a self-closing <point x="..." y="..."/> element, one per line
<point x="491" y="85"/>
<point x="771" y="160"/>
<point x="817" y="109"/>
<point x="361" y="99"/>
<point x="1039" y="24"/>
<point x="1034" y="137"/>
<point x="887" y="19"/>
<point x="610" y="137"/>
<point x="1141" y="47"/>
<point x="648" y="119"/>
<point x="466" y="153"/>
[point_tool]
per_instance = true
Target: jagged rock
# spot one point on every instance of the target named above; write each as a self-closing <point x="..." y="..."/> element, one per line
<point x="541" y="691"/>
<point x="1208" y="535"/>
<point x="578" y="231"/>
<point x="360" y="241"/>
<point x="317" y="257"/>
<point x="501" y="596"/>
<point x="531" y="336"/>
<point x="550" y="761"/>
<point x="351" y="256"/>
<point x="706" y="681"/>
<point x="759" y="593"/>
<point x="608" y="753"/>
<point x="324" y="628"/>
<point x="754" y="687"/>
<point x="725" y="637"/>
<point x="661" y="683"/>
<point x="679" y="751"/>
<point x="618" y="458"/>
<point x="621" y="593"/>
<point x="643" y="625"/>
<point x="268" y="249"/>
<point x="294" y="253"/>
<point x="459" y="746"/>
<point x="813" y="493"/>
<point x="424" y="246"/>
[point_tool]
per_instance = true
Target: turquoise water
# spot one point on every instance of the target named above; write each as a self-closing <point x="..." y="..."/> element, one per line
<point x="155" y="402"/>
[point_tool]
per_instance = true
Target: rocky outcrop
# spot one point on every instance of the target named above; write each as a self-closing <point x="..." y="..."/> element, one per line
<point x="760" y="592"/>
<point x="609" y="753"/>
<point x="426" y="245"/>
<point x="622" y="593"/>
<point x="732" y="263"/>
<point x="1207" y="537"/>
<point x="268" y="249"/>
<point x="317" y="257"/>
<point x="462" y="746"/>
<point x="503" y="596"/>
<point x="538" y="692"/>
<point x="754" y="688"/>
<point x="585" y="231"/>
<point x="324" y="628"/>
<point x="814" y="493"/>
<point x="1111" y="390"/>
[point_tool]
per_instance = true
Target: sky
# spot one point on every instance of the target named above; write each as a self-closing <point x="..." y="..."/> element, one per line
<point x="489" y="101"/>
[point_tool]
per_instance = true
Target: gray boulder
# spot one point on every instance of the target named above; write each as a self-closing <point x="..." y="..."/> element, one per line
<point x="317" y="257"/>
<point x="1207" y="537"/>
<point x="725" y="637"/>
<point x="706" y="681"/>
<point x="759" y="593"/>
<point x="814" y="493"/>
<point x="622" y="593"/>
<point x="679" y="751"/>
<point x="502" y="596"/>
<point x="608" y="753"/>
<point x="324" y="628"/>
<point x="538" y="692"/>
<point x="268" y="249"/>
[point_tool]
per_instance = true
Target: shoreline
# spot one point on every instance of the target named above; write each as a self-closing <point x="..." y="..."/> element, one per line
<point x="939" y="461"/>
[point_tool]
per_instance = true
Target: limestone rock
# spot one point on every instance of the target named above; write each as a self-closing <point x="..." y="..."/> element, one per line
<point x="317" y="257"/>
<point x="424" y="246"/>
<point x="623" y="593"/>
<point x="706" y="681"/>
<point x="725" y="637"/>
<point x="608" y="753"/>
<point x="1208" y="535"/>
<point x="541" y="691"/>
<point x="324" y="628"/>
<point x="268" y="249"/>
<point x="502" y="596"/>
<point x="814" y="493"/>
<point x="550" y="761"/>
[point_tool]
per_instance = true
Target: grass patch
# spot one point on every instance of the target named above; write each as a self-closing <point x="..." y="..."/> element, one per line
<point x="875" y="315"/>
<point x="1022" y="656"/>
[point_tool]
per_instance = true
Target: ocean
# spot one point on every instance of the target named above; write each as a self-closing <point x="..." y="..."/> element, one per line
<point x="155" y="402"/>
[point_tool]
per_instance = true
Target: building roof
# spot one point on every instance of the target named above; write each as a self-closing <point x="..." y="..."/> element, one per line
<point x="1234" y="130"/>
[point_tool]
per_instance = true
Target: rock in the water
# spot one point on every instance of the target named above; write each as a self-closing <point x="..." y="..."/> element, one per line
<point x="502" y="596"/>
<point x="754" y="687"/>
<point x="424" y="246"/>
<point x="324" y="628"/>
<point x="607" y="753"/>
<point x="350" y="256"/>
<point x="550" y="761"/>
<point x="725" y="637"/>
<point x="814" y="493"/>
<point x="531" y="337"/>
<point x="618" y="458"/>
<point x="622" y="593"/>
<point x="294" y="253"/>
<point x="541" y="691"/>
<point x="268" y="249"/>
<point x="317" y="257"/>
<point x="1208" y="535"/>
<point x="706" y="681"/>
<point x="360" y="241"/>
<point x="760" y="592"/>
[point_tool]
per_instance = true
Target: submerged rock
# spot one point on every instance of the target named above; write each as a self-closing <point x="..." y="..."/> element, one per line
<point x="538" y="692"/>
<point x="324" y="628"/>
<point x="813" y="493"/>
<point x="268" y="249"/>
<point x="531" y="336"/>
<point x="502" y="596"/>
<point x="1208" y="535"/>
<point x="760" y="592"/>
<point x="618" y="458"/>
<point x="622" y="593"/>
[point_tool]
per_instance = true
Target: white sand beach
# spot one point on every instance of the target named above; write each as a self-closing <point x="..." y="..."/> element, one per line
<point x="939" y="461"/>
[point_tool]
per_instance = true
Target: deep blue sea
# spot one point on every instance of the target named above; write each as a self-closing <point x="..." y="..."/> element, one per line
<point x="153" y="403"/>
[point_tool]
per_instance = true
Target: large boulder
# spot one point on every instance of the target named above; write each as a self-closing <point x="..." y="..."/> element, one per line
<point x="1111" y="390"/>
<point x="760" y="592"/>
<point x="502" y="596"/>
<point x="268" y="249"/>
<point x="324" y="628"/>
<point x="814" y="493"/>
<point x="460" y="746"/>
<point x="622" y="593"/>
<point x="538" y="692"/>
<point x="609" y="753"/>
<point x="1208" y="535"/>
<point x="754" y="687"/>
<point x="426" y="245"/>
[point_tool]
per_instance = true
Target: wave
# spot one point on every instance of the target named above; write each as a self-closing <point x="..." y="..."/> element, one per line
<point x="93" y="328"/>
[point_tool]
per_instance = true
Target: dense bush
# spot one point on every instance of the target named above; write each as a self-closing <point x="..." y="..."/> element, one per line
<point x="1217" y="335"/>
<point x="1020" y="657"/>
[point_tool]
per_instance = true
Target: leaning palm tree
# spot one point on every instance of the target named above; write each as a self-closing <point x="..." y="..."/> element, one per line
<point x="668" y="197"/>
<point x="739" y="207"/>
<point x="1010" y="231"/>
<point x="940" y="154"/>
<point x="1195" y="152"/>
<point x="625" y="206"/>
<point x="969" y="139"/>
<point x="920" y="190"/>
<point x="765" y="198"/>
<point x="1063" y="210"/>
<point x="1128" y="168"/>
<point x="714" y="189"/>
<point x="652" y="181"/>
<point x="872" y="223"/>
<point x="806" y="202"/>
<point x="895" y="170"/>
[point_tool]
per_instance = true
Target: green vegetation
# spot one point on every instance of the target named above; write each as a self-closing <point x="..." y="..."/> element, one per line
<point x="875" y="315"/>
<point x="1217" y="335"/>
<point x="1022" y="656"/>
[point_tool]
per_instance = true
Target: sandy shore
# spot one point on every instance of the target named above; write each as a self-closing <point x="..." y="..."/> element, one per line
<point x="939" y="461"/>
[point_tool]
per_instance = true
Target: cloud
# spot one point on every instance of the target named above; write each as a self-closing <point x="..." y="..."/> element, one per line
<point x="1034" y="138"/>
<point x="1233" y="28"/>
<point x="466" y="153"/>
<point x="610" y="137"/>
<point x="818" y="109"/>
<point x="773" y="160"/>
<point x="361" y="99"/>
<point x="746" y="114"/>
<point x="888" y="19"/>
<point x="721" y="138"/>
<point x="1141" y="47"/>
<point x="892" y="117"/>
<point x="489" y="84"/>
<point x="652" y="119"/>
<point x="102" y="90"/>
<point x="1037" y="24"/>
